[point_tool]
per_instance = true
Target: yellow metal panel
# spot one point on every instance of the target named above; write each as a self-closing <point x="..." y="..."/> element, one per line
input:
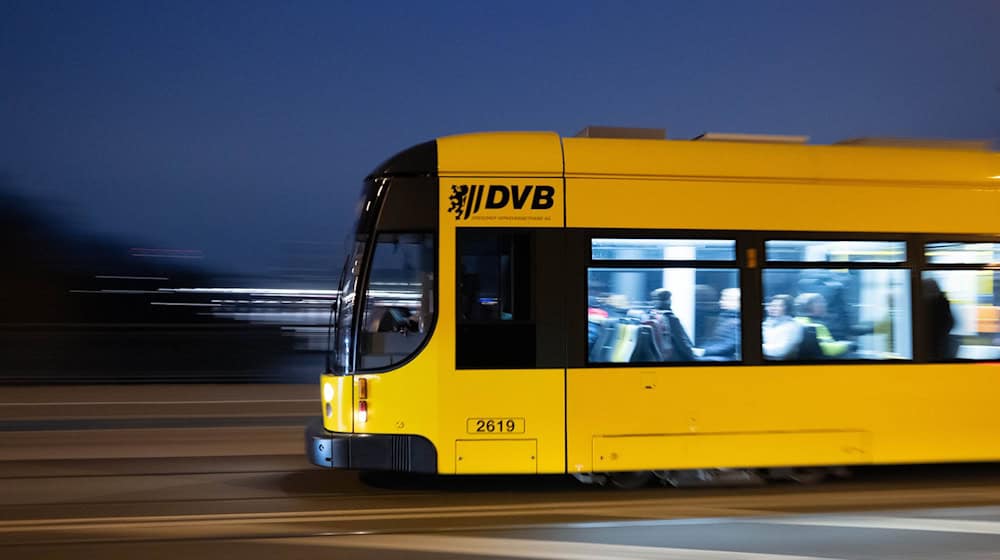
<point x="341" y="417"/>
<point x="914" y="413"/>
<point x="536" y="396"/>
<point x="402" y="401"/>
<point x="686" y="204"/>
<point x="445" y="432"/>
<point x="501" y="154"/>
<point x="716" y="160"/>
<point x="901" y="164"/>
<point x="484" y="456"/>
<point x="619" y="157"/>
<point x="629" y="453"/>
<point x="502" y="202"/>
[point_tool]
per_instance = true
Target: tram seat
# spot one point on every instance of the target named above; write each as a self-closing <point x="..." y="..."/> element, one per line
<point x="809" y="348"/>
<point x="623" y="341"/>
<point x="645" y="346"/>
<point x="661" y="337"/>
<point x="626" y="340"/>
<point x="604" y="343"/>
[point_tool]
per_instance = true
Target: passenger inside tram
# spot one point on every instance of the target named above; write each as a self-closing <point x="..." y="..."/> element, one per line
<point x="824" y="300"/>
<point x="670" y="336"/>
<point x="782" y="334"/>
<point x="725" y="340"/>
<point x="671" y="323"/>
<point x="810" y="312"/>
<point x="620" y="330"/>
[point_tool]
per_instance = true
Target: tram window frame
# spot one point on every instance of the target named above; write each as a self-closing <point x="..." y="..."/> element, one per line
<point x="735" y="264"/>
<point x="533" y="336"/>
<point x="426" y="320"/>
<point x="906" y="263"/>
<point x="929" y="268"/>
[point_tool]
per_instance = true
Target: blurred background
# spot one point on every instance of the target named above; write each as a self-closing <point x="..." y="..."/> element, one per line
<point x="177" y="179"/>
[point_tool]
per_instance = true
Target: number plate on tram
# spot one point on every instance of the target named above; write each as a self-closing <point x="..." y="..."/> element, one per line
<point x="495" y="425"/>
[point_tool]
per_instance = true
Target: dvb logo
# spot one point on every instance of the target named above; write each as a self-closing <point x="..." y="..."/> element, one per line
<point x="467" y="200"/>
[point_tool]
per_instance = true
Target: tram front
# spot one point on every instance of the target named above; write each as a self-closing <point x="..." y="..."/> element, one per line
<point x="378" y="388"/>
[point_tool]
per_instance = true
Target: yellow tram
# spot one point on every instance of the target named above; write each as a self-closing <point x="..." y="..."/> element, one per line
<point x="616" y="305"/>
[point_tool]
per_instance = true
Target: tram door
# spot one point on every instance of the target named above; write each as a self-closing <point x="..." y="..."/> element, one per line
<point x="507" y="388"/>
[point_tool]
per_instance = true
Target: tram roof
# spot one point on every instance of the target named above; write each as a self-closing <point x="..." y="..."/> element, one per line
<point x="546" y="154"/>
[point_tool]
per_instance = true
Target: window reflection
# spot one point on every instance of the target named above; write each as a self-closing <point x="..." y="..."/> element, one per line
<point x="963" y="253"/>
<point x="820" y="314"/>
<point x="496" y="327"/>
<point x="664" y="315"/>
<point x="664" y="249"/>
<point x="835" y="251"/>
<point x="962" y="314"/>
<point x="494" y="277"/>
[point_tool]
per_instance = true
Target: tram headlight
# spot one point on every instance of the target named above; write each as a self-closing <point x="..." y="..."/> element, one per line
<point x="328" y="392"/>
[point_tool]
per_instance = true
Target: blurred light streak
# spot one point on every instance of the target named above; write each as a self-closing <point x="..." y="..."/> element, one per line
<point x="113" y="291"/>
<point x="166" y="253"/>
<point x="256" y="291"/>
<point x="106" y="277"/>
<point x="183" y="304"/>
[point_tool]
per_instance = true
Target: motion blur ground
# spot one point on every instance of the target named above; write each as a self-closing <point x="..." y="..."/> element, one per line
<point x="69" y="424"/>
<point x="265" y="506"/>
<point x="210" y="471"/>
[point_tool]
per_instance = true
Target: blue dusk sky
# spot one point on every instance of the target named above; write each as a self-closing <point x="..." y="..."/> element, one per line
<point x="238" y="128"/>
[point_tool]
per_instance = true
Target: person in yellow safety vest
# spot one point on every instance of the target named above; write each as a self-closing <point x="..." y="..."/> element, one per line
<point x="810" y="307"/>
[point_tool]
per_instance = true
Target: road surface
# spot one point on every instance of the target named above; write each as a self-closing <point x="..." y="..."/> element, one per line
<point x="218" y="472"/>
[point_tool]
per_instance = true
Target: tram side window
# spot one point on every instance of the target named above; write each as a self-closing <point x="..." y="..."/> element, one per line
<point x="853" y="311"/>
<point x="962" y="307"/>
<point x="663" y="315"/>
<point x="495" y="327"/>
<point x="667" y="311"/>
<point x="494" y="277"/>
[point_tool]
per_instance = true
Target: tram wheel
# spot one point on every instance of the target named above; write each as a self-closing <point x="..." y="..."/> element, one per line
<point x="630" y="480"/>
<point x="801" y="475"/>
<point x="813" y="475"/>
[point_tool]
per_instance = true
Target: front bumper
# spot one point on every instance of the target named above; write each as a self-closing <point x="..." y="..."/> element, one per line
<point x="374" y="452"/>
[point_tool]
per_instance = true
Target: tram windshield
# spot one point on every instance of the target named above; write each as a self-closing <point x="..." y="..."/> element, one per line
<point x="385" y="309"/>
